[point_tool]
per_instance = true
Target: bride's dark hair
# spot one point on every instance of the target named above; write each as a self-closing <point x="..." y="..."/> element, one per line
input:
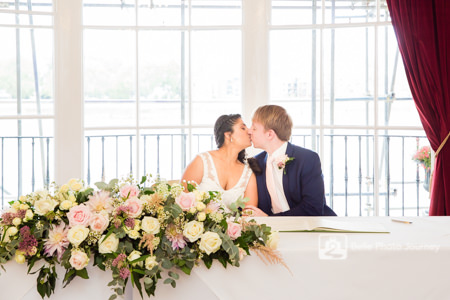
<point x="225" y="124"/>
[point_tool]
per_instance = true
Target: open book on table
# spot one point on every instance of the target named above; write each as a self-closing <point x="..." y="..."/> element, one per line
<point x="318" y="224"/>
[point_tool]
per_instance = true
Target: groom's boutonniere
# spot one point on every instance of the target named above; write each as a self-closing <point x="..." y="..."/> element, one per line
<point x="282" y="161"/>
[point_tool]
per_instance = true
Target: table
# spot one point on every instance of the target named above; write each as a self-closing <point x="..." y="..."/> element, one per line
<point x="411" y="262"/>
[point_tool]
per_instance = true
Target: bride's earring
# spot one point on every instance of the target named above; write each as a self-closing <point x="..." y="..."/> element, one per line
<point x="231" y="139"/>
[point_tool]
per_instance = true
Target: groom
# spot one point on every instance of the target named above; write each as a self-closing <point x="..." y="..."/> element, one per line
<point x="290" y="182"/>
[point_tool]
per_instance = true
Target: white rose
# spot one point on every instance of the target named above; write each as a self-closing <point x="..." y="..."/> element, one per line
<point x="66" y="205"/>
<point x="78" y="259"/>
<point x="150" y="225"/>
<point x="273" y="240"/>
<point x="201" y="216"/>
<point x="108" y="245"/>
<point x="210" y="242"/>
<point x="44" y="205"/>
<point x="77" y="234"/>
<point x="150" y="262"/>
<point x="193" y="230"/>
<point x="135" y="255"/>
<point x="17" y="221"/>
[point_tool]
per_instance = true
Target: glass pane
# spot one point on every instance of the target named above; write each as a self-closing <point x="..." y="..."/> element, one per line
<point x="292" y="12"/>
<point x="395" y="103"/>
<point x="163" y="12"/>
<point x="294" y="67"/>
<point x="163" y="69"/>
<point x="30" y="5"/>
<point x="403" y="177"/>
<point x="348" y="76"/>
<point x="216" y="74"/>
<point x="109" y="12"/>
<point x="33" y="61"/>
<point x="350" y="11"/>
<point x="109" y="78"/>
<point x="13" y="19"/>
<point x="348" y="169"/>
<point x="26" y="157"/>
<point x="164" y="153"/>
<point x="109" y="154"/>
<point x="216" y="12"/>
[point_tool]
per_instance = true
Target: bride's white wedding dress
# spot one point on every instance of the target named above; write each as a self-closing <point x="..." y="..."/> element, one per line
<point x="210" y="181"/>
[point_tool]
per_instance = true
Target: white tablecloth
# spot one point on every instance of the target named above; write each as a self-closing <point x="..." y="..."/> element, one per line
<point x="411" y="262"/>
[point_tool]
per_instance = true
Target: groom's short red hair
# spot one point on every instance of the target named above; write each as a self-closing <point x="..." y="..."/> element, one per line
<point x="276" y="118"/>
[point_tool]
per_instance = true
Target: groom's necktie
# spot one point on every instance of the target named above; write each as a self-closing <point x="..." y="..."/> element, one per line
<point x="276" y="206"/>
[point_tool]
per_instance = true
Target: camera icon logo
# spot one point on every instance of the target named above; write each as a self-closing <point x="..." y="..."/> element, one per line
<point x="333" y="246"/>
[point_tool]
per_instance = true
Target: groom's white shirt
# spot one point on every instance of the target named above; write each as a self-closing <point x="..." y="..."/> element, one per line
<point x="278" y="178"/>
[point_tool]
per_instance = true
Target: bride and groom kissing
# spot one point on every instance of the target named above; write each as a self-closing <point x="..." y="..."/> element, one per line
<point x="283" y="180"/>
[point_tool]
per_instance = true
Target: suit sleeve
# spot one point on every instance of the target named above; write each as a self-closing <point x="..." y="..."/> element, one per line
<point x="310" y="200"/>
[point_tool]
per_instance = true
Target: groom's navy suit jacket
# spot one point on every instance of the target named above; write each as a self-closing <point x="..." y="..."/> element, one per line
<point x="303" y="184"/>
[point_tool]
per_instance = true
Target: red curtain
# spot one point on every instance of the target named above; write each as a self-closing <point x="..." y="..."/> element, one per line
<point x="422" y="28"/>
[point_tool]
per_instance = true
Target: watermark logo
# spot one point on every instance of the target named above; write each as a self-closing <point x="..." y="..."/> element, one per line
<point x="333" y="246"/>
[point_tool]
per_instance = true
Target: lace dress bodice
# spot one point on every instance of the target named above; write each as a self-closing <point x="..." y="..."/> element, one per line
<point x="210" y="181"/>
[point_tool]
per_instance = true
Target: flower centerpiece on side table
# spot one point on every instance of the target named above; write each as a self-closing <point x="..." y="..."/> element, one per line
<point x="142" y="234"/>
<point x="423" y="157"/>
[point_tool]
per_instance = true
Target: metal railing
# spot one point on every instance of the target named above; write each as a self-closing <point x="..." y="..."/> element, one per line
<point x="347" y="165"/>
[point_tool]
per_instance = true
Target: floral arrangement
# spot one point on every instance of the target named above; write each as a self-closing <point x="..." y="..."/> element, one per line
<point x="282" y="161"/>
<point x="142" y="234"/>
<point x="423" y="156"/>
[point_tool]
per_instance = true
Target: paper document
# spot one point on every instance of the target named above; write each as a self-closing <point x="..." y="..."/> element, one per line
<point x="317" y="224"/>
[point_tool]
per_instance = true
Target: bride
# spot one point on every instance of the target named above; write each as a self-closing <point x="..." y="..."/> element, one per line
<point x="226" y="169"/>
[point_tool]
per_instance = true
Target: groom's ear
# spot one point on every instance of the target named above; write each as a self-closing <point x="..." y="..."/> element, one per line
<point x="271" y="134"/>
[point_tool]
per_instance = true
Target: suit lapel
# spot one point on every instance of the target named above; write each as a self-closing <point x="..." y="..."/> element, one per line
<point x="289" y="175"/>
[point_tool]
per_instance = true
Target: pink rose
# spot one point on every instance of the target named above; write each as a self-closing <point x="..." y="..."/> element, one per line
<point x="78" y="260"/>
<point x="99" y="222"/>
<point x="186" y="200"/>
<point x="129" y="191"/>
<point x="79" y="215"/>
<point x="135" y="207"/>
<point x="234" y="230"/>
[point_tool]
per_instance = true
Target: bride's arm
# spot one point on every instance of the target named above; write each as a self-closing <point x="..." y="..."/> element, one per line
<point x="193" y="172"/>
<point x="251" y="191"/>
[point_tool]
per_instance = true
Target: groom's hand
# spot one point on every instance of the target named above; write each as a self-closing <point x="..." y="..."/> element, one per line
<point x="253" y="211"/>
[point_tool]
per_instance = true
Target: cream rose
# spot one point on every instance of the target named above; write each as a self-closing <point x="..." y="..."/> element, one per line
<point x="79" y="215"/>
<point x="150" y="225"/>
<point x="200" y="206"/>
<point x="77" y="234"/>
<point x="273" y="240"/>
<point x="75" y="184"/>
<point x="193" y="230"/>
<point x="201" y="216"/>
<point x="64" y="188"/>
<point x="11" y="231"/>
<point x="29" y="215"/>
<point x="210" y="242"/>
<point x="44" y="205"/>
<point x="24" y="206"/>
<point x="133" y="234"/>
<point x="150" y="262"/>
<point x="17" y="221"/>
<point x="108" y="245"/>
<point x="19" y="258"/>
<point x="99" y="222"/>
<point x="199" y="195"/>
<point x="78" y="259"/>
<point x="135" y="255"/>
<point x="65" y="205"/>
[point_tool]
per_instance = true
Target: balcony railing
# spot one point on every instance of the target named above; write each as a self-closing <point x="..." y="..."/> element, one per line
<point x="347" y="165"/>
